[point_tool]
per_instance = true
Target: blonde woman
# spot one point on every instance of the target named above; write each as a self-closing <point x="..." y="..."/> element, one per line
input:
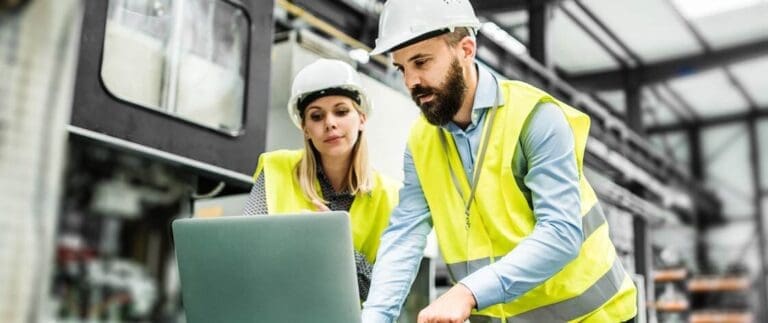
<point x="332" y="172"/>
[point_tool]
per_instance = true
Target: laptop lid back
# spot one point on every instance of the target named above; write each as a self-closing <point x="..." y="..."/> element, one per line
<point x="288" y="268"/>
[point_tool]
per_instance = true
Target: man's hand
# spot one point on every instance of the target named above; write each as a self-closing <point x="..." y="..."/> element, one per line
<point x="452" y="307"/>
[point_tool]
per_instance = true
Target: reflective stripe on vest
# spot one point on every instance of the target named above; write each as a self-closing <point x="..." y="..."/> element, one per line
<point x="591" y="299"/>
<point x="589" y="223"/>
<point x="570" y="309"/>
<point x="369" y="213"/>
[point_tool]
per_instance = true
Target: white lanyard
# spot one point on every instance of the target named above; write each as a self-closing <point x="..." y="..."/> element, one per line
<point x="480" y="158"/>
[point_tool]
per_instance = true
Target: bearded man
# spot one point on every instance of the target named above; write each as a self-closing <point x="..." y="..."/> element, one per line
<point x="495" y="167"/>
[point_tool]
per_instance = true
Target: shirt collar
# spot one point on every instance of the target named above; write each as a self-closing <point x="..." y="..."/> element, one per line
<point x="487" y="89"/>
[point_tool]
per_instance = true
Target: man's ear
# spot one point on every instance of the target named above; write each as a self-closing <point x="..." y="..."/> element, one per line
<point x="468" y="47"/>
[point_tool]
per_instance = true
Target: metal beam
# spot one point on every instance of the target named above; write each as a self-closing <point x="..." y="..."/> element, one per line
<point x="656" y="72"/>
<point x="489" y="7"/>
<point x="729" y="118"/>
<point x="700" y="222"/>
<point x="694" y="146"/>
<point x="762" y="288"/>
<point x="643" y="255"/>
<point x="633" y="102"/>
<point x="537" y="27"/>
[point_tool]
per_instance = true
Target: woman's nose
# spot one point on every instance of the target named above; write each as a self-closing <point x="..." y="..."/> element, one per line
<point x="330" y="123"/>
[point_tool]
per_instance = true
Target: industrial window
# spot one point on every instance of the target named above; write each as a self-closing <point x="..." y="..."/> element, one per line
<point x="185" y="58"/>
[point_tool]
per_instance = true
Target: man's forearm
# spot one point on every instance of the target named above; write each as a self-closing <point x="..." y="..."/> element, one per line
<point x="397" y="263"/>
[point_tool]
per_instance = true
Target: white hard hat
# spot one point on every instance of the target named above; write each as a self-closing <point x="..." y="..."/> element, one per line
<point x="322" y="78"/>
<point x="405" y="21"/>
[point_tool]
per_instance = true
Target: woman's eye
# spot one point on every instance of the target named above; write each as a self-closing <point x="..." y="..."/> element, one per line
<point x="316" y="117"/>
<point x="342" y="112"/>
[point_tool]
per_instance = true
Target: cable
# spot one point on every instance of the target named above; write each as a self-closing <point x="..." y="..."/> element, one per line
<point x="215" y="191"/>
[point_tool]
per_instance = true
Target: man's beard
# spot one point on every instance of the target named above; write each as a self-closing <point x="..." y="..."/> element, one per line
<point x="447" y="99"/>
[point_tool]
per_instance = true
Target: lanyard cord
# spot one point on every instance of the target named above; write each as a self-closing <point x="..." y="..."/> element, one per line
<point x="480" y="158"/>
<point x="475" y="176"/>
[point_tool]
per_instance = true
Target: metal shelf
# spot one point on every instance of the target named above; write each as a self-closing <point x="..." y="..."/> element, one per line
<point x="670" y="275"/>
<point x="718" y="284"/>
<point x="721" y="317"/>
<point x="672" y="306"/>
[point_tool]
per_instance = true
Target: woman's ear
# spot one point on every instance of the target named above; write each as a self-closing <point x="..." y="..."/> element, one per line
<point x="363" y="121"/>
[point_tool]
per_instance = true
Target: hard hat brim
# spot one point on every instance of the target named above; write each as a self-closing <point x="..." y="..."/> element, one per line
<point x="396" y="43"/>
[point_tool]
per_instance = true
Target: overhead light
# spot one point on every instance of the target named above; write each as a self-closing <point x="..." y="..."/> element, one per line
<point x="360" y="55"/>
<point x="704" y="8"/>
<point x="503" y="38"/>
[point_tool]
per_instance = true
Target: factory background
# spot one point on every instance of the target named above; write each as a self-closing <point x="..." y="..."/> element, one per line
<point x="119" y="116"/>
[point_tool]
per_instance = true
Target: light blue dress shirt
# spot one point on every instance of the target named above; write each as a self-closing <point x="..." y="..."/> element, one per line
<point x="544" y="167"/>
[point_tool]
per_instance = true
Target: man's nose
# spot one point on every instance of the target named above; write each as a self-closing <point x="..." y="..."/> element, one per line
<point x="411" y="80"/>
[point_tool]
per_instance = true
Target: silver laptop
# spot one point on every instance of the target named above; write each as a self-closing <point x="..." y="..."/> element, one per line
<point x="288" y="268"/>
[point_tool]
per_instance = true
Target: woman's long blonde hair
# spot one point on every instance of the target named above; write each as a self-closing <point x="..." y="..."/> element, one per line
<point x="359" y="177"/>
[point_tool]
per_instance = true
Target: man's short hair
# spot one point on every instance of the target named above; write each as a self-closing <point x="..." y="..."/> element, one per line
<point x="452" y="38"/>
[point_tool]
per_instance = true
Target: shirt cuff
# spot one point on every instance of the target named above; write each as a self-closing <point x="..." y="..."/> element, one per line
<point x="485" y="286"/>
<point x="370" y="316"/>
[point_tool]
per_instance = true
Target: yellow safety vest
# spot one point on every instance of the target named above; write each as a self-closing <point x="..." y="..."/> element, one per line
<point x="369" y="213"/>
<point x="593" y="287"/>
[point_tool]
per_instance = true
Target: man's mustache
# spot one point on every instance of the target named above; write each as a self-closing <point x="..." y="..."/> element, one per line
<point x="419" y="91"/>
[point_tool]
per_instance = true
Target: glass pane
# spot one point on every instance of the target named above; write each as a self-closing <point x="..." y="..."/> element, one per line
<point x="186" y="58"/>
